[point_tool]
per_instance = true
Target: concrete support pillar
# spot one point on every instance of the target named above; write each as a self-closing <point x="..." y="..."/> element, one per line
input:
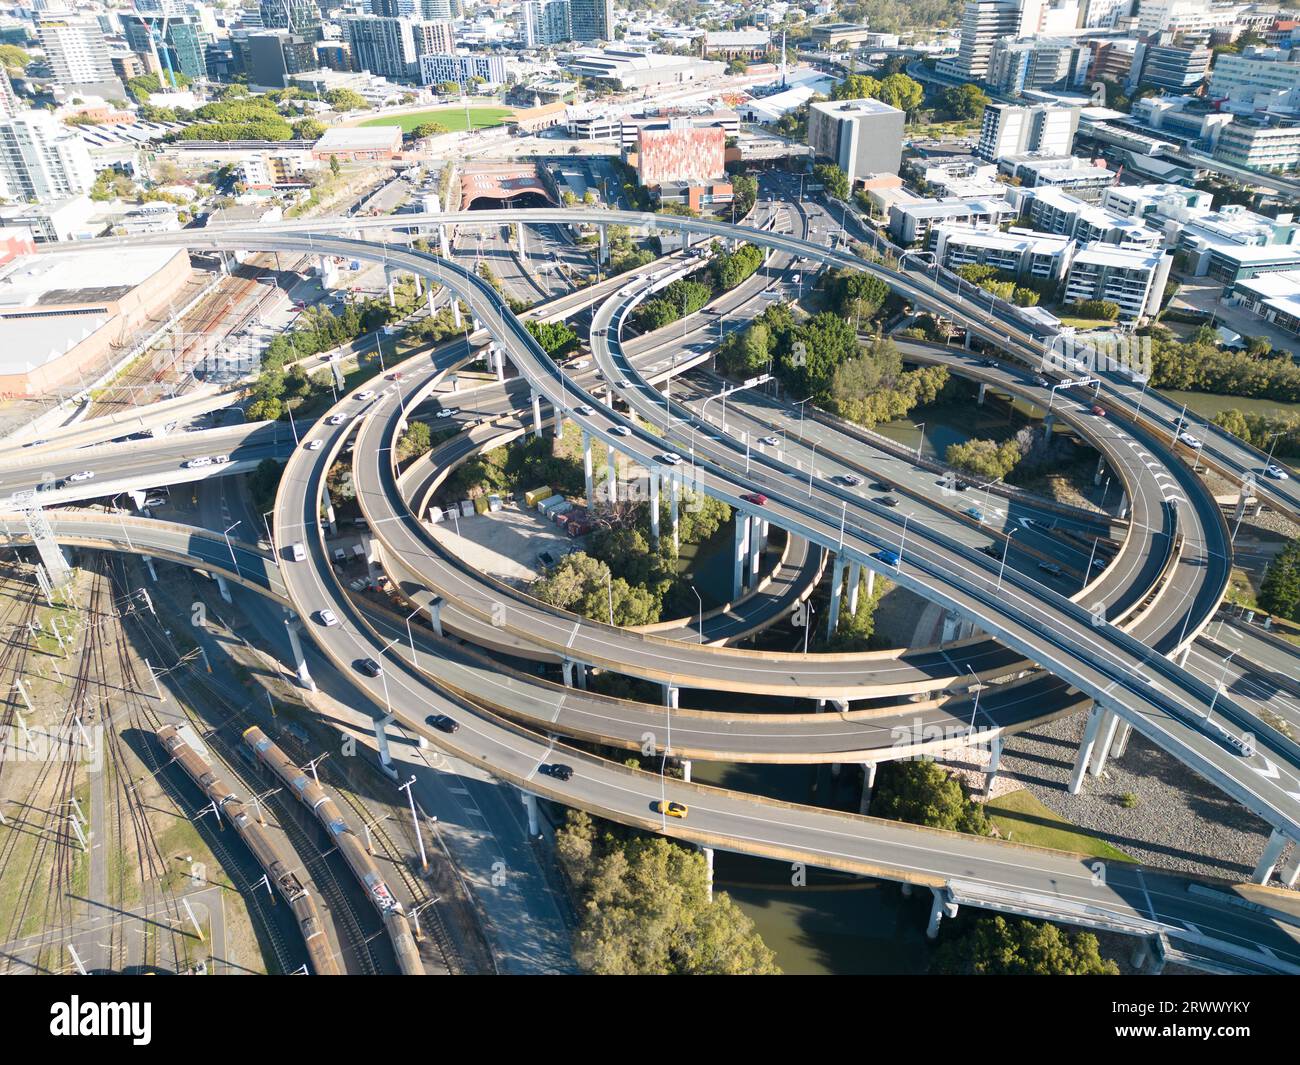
<point x="1290" y="873"/>
<point x="611" y="480"/>
<point x="984" y="387"/>
<point x="674" y="497"/>
<point x="330" y="520"/>
<point x="739" y="554"/>
<point x="530" y="805"/>
<point x="868" y="782"/>
<point x="498" y="361"/>
<point x="587" y="477"/>
<point x="671" y="693"/>
<point x="575" y="674"/>
<point x="444" y="246"/>
<point x="871" y="583"/>
<point x="939" y="909"/>
<point x="837" y="584"/>
<point x="1106" y="734"/>
<point x="299" y="660"/>
<point x="519" y="236"/>
<point x="991" y="770"/>
<point x="381" y="741"/>
<point x="148" y="564"/>
<point x="855" y="579"/>
<point x="1140" y="952"/>
<point x="603" y="255"/>
<point x="537" y="415"/>
<point x="1049" y="423"/>
<point x="755" y="549"/>
<point x="1101" y="469"/>
<point x="686" y="770"/>
<point x="1120" y="745"/>
<point x="951" y="627"/>
<point x="1268" y="860"/>
<point x="223" y="588"/>
<point x="435" y="615"/>
<point x="1085" y="749"/>
<point x="708" y="865"/>
<point x="654" y="508"/>
<point x="455" y="311"/>
<point x="429" y="301"/>
<point x="1122" y="512"/>
<point x="390" y="280"/>
<point x="419" y="285"/>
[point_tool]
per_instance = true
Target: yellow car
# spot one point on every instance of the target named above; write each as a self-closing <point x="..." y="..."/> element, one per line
<point x="672" y="809"/>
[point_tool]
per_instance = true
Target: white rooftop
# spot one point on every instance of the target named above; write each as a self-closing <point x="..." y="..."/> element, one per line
<point x="1101" y="254"/>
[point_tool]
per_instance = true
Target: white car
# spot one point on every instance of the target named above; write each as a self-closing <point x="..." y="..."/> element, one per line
<point x="621" y="430"/>
<point x="1276" y="472"/>
<point x="327" y="618"/>
<point x="84" y="475"/>
<point x="671" y="458"/>
<point x="220" y="460"/>
<point x="579" y="364"/>
<point x="584" y="410"/>
<point x="368" y="393"/>
<point x="1189" y="440"/>
<point x="195" y="463"/>
<point x="335" y="419"/>
<point x="447" y="412"/>
<point x="769" y="441"/>
<point x="313" y="445"/>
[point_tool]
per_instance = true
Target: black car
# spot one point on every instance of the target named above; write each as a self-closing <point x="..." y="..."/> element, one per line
<point x="370" y="667"/>
<point x="1051" y="569"/>
<point x="558" y="771"/>
<point x="442" y="723"/>
<point x="879" y="486"/>
<point x="990" y="363"/>
<point x="888" y="501"/>
<point x="993" y="551"/>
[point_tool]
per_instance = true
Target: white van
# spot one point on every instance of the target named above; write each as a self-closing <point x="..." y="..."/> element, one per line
<point x="299" y="552"/>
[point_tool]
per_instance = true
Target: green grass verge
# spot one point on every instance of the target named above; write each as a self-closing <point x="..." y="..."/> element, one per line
<point x="451" y="117"/>
<point x="1023" y="819"/>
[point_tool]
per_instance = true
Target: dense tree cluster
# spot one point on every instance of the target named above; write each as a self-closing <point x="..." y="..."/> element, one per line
<point x="964" y="102"/>
<point x="1279" y="593"/>
<point x="924" y="793"/>
<point x="996" y="946"/>
<point x="744" y="193"/>
<point x="896" y="90"/>
<point x="681" y="298"/>
<point x="556" y="338"/>
<point x="1278" y="433"/>
<point x="985" y="458"/>
<point x="1200" y="365"/>
<point x="835" y="180"/>
<point x="644" y="907"/>
<point x="729" y="269"/>
<point x="993" y="280"/>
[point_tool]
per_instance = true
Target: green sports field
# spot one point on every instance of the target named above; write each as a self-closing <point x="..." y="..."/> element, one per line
<point x="451" y="117"/>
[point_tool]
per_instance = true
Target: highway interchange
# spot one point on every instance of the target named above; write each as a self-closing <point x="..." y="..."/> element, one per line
<point x="1042" y="626"/>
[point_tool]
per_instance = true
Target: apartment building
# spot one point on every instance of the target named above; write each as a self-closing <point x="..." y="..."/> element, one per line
<point x="1019" y="253"/>
<point x="1131" y="278"/>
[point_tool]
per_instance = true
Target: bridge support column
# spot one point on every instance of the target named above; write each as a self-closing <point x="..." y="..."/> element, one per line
<point x="390" y="280"/>
<point x="739" y="554"/>
<point x="855" y="580"/>
<point x="951" y="627"/>
<point x="871" y="583"/>
<point x="868" y="782"/>
<point x="708" y="866"/>
<point x="1107" y="734"/>
<point x="444" y="245"/>
<point x="984" y="387"/>
<point x="575" y="674"/>
<point x="537" y="415"/>
<point x="686" y="770"/>
<point x="611" y="480"/>
<point x="603" y="255"/>
<point x="1121" y="740"/>
<point x="939" y="909"/>
<point x="1268" y="860"/>
<point x="381" y="740"/>
<point x="1101" y="469"/>
<point x="756" y="526"/>
<point x="1290" y="873"/>
<point x="1140" y="952"/>
<point x="498" y="362"/>
<point x="1085" y="749"/>
<point x="1122" y="512"/>
<point x="223" y="588"/>
<point x="429" y="301"/>
<point x="674" y="497"/>
<point x="419" y="285"/>
<point x="837" y="584"/>
<point x="1049" y="423"/>
<point x="299" y="660"/>
<point x="530" y="805"/>
<point x="587" y="477"/>
<point x="654" y="507"/>
<point x="148" y="564"/>
<point x="330" y="520"/>
<point x="995" y="760"/>
<point x="455" y="311"/>
<point x="435" y="615"/>
<point x="671" y="693"/>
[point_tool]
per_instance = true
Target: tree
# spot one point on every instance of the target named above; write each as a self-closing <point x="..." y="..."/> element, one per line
<point x="308" y="129"/>
<point x="417" y="440"/>
<point x="428" y="129"/>
<point x="448" y="88"/>
<point x="901" y="91"/>
<point x="856" y="87"/>
<point x="584" y="585"/>
<point x="964" y="101"/>
<point x="1279" y="592"/>
<point x="835" y="180"/>
<point x="334" y="165"/>
<point x="744" y="193"/>
<point x="14" y="59"/>
<point x="645" y="908"/>
<point x="994" y="946"/>
<point x="984" y="458"/>
<point x="346" y="100"/>
<point x="923" y="793"/>
<point x="556" y="338"/>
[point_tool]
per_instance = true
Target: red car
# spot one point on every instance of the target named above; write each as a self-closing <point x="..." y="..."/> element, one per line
<point x="1098" y="411"/>
<point x="397" y="376"/>
<point x="757" y="498"/>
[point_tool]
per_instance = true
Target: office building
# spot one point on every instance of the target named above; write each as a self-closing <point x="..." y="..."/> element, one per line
<point x="1131" y="278"/>
<point x="434" y="38"/>
<point x="1036" y="63"/>
<point x="1103" y="14"/>
<point x="42" y="159"/>
<point x="545" y="22"/>
<point x="77" y="53"/>
<point x="179" y="43"/>
<point x="1174" y="67"/>
<point x="985" y="22"/>
<point x="300" y="16"/>
<point x="1259" y="146"/>
<point x="1088" y="181"/>
<point x="1019" y="254"/>
<point x="1052" y="210"/>
<point x="677" y="150"/>
<point x="382" y="46"/>
<point x="623" y="68"/>
<point x="271" y="57"/>
<point x="1238" y="80"/>
<point x="862" y="137"/>
<point x="8" y="101"/>
<point x="913" y="224"/>
<point x="592" y="20"/>
<point x="436" y="68"/>
<point x="1043" y="129"/>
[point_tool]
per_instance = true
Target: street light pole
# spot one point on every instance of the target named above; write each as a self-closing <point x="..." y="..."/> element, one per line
<point x="415" y="822"/>
<point x="229" y="547"/>
<point x="701" y="602"/>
